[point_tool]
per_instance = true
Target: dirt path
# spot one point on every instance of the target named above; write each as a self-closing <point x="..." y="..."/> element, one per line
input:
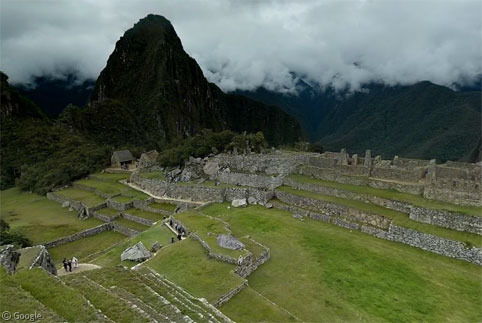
<point x="134" y="186"/>
<point x="81" y="268"/>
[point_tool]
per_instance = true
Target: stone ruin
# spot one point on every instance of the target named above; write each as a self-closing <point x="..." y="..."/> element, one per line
<point x="10" y="257"/>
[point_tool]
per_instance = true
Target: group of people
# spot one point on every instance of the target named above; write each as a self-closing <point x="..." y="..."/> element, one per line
<point x="69" y="263"/>
<point x="179" y="229"/>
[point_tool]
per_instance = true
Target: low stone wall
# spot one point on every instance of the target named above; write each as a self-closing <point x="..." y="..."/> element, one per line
<point x="334" y="210"/>
<point x="226" y="297"/>
<point x="76" y="205"/>
<point x="251" y="180"/>
<point x="302" y="212"/>
<point x="137" y="219"/>
<point x="154" y="210"/>
<point x="397" y="174"/>
<point x="124" y="230"/>
<point x="200" y="193"/>
<point x="446" y="219"/>
<point x="119" y="206"/>
<point x="428" y="242"/>
<point x="140" y="203"/>
<point x="212" y="254"/>
<point x="272" y="163"/>
<point x="79" y="235"/>
<point x="472" y="198"/>
<point x="102" y="217"/>
<point x="250" y="263"/>
<point x="412" y="188"/>
<point x="331" y="175"/>
<point x="95" y="191"/>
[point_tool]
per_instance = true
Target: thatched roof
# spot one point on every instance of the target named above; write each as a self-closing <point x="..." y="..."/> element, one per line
<point x="122" y="156"/>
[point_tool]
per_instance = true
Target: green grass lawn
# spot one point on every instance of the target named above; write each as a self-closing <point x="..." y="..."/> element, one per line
<point x="144" y="214"/>
<point x="111" y="257"/>
<point x="186" y="263"/>
<point x="108" y="212"/>
<point x="103" y="186"/>
<point x="131" y="224"/>
<point x="113" y="187"/>
<point x="203" y="225"/>
<point x="320" y="272"/>
<point x="27" y="256"/>
<point x="163" y="206"/>
<point x="398" y="218"/>
<point x="113" y="177"/>
<point x="153" y="175"/>
<point x="47" y="289"/>
<point x="86" y="246"/>
<point x="255" y="308"/>
<point x="122" y="199"/>
<point x="38" y="218"/>
<point x="88" y="198"/>
<point x="138" y="195"/>
<point x="14" y="299"/>
<point x="417" y="200"/>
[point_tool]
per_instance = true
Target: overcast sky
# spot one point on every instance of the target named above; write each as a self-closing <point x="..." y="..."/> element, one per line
<point x="245" y="44"/>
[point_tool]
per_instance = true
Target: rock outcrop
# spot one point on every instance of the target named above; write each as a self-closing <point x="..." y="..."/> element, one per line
<point x="9" y="258"/>
<point x="239" y="203"/>
<point x="137" y="252"/>
<point x="229" y="242"/>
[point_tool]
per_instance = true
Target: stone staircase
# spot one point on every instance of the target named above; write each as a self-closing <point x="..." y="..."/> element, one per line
<point x="142" y="294"/>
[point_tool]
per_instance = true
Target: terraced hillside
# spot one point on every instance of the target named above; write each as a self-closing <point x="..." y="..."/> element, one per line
<point x="312" y="249"/>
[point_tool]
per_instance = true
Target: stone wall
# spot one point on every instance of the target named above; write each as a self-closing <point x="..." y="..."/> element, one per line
<point x="404" y="187"/>
<point x="200" y="193"/>
<point x="95" y="191"/>
<point x="272" y="163"/>
<point x="428" y="242"/>
<point x="443" y="218"/>
<point x="79" y="235"/>
<point x="446" y="219"/>
<point x="251" y="180"/>
<point x="103" y="217"/>
<point x="250" y="263"/>
<point x="334" y="210"/>
<point x="119" y="206"/>
<point x="124" y="230"/>
<point x="137" y="219"/>
<point x="83" y="210"/>
<point x="331" y="175"/>
<point x="226" y="297"/>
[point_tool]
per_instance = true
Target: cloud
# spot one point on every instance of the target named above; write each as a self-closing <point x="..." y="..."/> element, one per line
<point x="247" y="44"/>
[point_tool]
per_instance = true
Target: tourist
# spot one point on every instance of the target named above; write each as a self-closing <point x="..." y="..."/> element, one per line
<point x="69" y="264"/>
<point x="75" y="262"/>
<point x="172" y="240"/>
<point x="179" y="236"/>
<point x="170" y="223"/>
<point x="65" y="264"/>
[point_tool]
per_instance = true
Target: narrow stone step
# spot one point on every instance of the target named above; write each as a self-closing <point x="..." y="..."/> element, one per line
<point x="127" y="301"/>
<point x="173" y="299"/>
<point x="206" y="310"/>
<point x="147" y="299"/>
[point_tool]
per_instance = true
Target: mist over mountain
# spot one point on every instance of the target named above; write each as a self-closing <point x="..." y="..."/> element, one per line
<point x="52" y="95"/>
<point x="423" y="120"/>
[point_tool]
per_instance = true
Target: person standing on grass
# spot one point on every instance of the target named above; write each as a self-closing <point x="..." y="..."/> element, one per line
<point x="172" y="239"/>
<point x="65" y="264"/>
<point x="75" y="262"/>
<point x="69" y="263"/>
